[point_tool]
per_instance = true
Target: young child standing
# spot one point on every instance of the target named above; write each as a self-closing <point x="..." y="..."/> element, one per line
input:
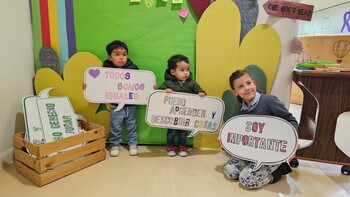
<point x="244" y="87"/>
<point x="118" y="58"/>
<point x="178" y="78"/>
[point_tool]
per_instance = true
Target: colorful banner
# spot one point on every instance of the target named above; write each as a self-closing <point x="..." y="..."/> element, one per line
<point x="54" y="25"/>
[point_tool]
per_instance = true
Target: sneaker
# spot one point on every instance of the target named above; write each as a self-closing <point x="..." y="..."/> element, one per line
<point x="182" y="151"/>
<point x="133" y="150"/>
<point x="114" y="152"/>
<point x="171" y="151"/>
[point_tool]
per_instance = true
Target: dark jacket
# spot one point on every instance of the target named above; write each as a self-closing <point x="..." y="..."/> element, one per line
<point x="190" y="86"/>
<point x="129" y="65"/>
<point x="272" y="106"/>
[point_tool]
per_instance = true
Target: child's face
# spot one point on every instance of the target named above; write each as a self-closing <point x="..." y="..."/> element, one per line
<point x="119" y="57"/>
<point x="245" y="87"/>
<point x="182" y="71"/>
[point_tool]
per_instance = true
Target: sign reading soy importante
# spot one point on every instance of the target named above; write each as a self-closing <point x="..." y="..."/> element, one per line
<point x="289" y="9"/>
<point x="260" y="139"/>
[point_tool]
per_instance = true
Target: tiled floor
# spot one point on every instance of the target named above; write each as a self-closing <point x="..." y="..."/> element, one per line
<point x="152" y="173"/>
<point x="333" y="171"/>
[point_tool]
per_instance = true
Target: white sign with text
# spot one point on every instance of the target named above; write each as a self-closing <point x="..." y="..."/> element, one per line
<point x="260" y="139"/>
<point x="122" y="86"/>
<point x="34" y="131"/>
<point x="57" y="117"/>
<point x="49" y="118"/>
<point x="184" y="111"/>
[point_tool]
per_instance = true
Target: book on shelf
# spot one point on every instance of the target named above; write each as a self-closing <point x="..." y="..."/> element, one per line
<point x="321" y="66"/>
<point x="314" y="64"/>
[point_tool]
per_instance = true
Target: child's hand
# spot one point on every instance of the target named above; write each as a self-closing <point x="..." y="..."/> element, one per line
<point x="155" y="86"/>
<point x="84" y="86"/>
<point x="201" y="94"/>
<point x="169" y="91"/>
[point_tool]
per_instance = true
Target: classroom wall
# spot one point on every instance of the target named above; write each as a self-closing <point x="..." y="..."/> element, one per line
<point x="17" y="70"/>
<point x="320" y="5"/>
<point x="322" y="32"/>
<point x="327" y="21"/>
<point x="322" y="48"/>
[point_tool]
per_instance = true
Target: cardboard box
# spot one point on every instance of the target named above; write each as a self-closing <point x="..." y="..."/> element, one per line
<point x="41" y="164"/>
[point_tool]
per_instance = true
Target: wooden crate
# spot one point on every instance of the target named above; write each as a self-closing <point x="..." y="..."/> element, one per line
<point x="41" y="165"/>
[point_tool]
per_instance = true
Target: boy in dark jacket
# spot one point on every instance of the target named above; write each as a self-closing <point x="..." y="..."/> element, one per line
<point x="118" y="58"/>
<point x="244" y="87"/>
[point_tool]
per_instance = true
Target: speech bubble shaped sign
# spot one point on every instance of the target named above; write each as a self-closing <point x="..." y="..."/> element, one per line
<point x="57" y="117"/>
<point x="260" y="139"/>
<point x="34" y="131"/>
<point x="184" y="111"/>
<point x="122" y="86"/>
<point x="49" y="118"/>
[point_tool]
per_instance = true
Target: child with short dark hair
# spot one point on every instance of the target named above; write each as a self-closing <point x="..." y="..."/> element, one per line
<point x="178" y="78"/>
<point x="118" y="58"/>
<point x="244" y="87"/>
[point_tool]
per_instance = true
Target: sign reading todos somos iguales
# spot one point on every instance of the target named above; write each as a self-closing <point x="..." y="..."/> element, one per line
<point x="260" y="139"/>
<point x="184" y="111"/>
<point x="122" y="86"/>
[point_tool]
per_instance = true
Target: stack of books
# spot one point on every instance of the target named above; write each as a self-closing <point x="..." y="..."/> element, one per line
<point x="321" y="66"/>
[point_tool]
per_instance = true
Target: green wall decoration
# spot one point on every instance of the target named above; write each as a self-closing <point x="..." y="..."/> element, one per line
<point x="152" y="34"/>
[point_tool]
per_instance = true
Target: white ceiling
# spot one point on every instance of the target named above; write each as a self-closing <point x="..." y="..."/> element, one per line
<point x="321" y="4"/>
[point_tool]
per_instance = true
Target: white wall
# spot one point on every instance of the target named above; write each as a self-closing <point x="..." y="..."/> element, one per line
<point x="285" y="28"/>
<point x="17" y="70"/>
<point x="326" y="21"/>
<point x="322" y="4"/>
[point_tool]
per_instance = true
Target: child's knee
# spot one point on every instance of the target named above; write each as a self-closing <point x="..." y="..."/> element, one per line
<point x="248" y="182"/>
<point x="253" y="179"/>
<point x="247" y="179"/>
<point x="231" y="171"/>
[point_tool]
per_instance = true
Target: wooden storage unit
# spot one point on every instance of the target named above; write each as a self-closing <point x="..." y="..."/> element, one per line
<point x="329" y="92"/>
<point x="320" y="48"/>
<point x="41" y="165"/>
